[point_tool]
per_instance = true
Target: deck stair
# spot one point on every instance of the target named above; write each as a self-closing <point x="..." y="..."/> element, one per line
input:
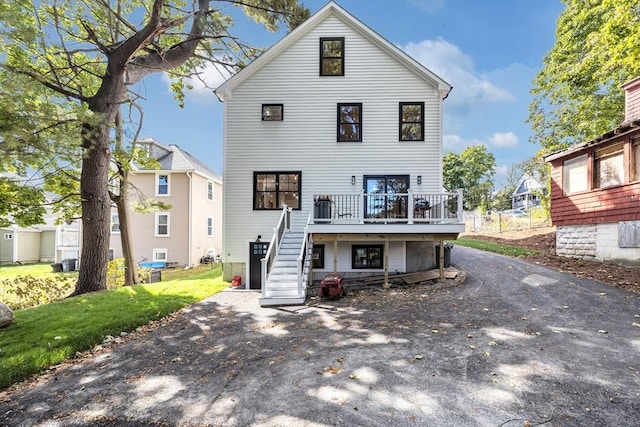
<point x="282" y="285"/>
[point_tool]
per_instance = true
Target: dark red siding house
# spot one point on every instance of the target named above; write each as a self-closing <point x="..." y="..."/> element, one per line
<point x="595" y="191"/>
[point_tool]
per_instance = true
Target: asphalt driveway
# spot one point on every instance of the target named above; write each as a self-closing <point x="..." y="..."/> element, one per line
<point x="514" y="343"/>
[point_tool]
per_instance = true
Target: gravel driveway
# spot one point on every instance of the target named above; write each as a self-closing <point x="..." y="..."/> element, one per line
<point x="513" y="343"/>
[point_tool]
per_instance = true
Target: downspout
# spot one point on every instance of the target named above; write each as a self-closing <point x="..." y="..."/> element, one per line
<point x="14" y="255"/>
<point x="189" y="264"/>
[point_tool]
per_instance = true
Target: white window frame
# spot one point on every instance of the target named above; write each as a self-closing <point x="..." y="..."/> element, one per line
<point x="157" y="184"/>
<point x="8" y="236"/>
<point x="115" y="221"/>
<point x="210" y="190"/>
<point x="157" y="224"/>
<point x="574" y="171"/>
<point x="158" y="251"/>
<point x="210" y="226"/>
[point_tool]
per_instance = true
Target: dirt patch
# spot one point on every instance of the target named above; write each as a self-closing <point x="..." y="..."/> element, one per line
<point x="544" y="241"/>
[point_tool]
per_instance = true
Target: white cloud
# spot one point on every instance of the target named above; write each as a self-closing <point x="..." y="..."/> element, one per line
<point x="503" y="140"/>
<point x="449" y="62"/>
<point x="457" y="144"/>
<point x="429" y="6"/>
<point x="207" y="79"/>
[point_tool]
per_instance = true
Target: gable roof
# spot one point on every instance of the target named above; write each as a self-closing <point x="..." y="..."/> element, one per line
<point x="332" y="9"/>
<point x="174" y="158"/>
<point x="532" y="183"/>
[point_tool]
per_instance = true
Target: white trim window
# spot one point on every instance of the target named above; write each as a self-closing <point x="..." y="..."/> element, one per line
<point x="162" y="228"/>
<point x="8" y="236"/>
<point x="160" y="254"/>
<point x="209" y="226"/>
<point x="210" y="190"/>
<point x="163" y="185"/>
<point x="115" y="224"/>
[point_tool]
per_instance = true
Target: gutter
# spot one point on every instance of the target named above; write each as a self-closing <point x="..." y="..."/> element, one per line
<point x="189" y="264"/>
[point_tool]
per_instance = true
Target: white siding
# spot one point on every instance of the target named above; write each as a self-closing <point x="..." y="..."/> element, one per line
<point x="306" y="139"/>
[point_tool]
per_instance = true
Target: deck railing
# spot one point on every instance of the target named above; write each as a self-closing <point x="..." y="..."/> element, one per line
<point x="410" y="207"/>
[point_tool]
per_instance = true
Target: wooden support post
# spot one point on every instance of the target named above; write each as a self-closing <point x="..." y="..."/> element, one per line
<point x="441" y="263"/>
<point x="386" y="264"/>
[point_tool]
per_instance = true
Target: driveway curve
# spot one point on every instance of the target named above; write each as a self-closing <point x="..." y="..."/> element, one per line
<point x="514" y="343"/>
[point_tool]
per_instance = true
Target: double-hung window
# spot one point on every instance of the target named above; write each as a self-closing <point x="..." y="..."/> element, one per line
<point x="162" y="185"/>
<point x="162" y="224"/>
<point x="332" y="56"/>
<point x="412" y="121"/>
<point x="209" y="190"/>
<point x="115" y="223"/>
<point x="273" y="190"/>
<point x="209" y="226"/>
<point x="350" y="122"/>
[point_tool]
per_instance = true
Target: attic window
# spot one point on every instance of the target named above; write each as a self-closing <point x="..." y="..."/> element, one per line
<point x="332" y="56"/>
<point x="272" y="112"/>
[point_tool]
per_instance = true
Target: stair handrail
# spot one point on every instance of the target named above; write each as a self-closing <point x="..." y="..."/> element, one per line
<point x="302" y="258"/>
<point x="278" y="232"/>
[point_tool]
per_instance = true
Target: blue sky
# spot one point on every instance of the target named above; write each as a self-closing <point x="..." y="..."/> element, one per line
<point x="488" y="50"/>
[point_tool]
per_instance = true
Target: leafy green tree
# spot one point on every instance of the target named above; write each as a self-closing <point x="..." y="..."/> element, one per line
<point x="577" y="94"/>
<point x="85" y="56"/>
<point x="473" y="171"/>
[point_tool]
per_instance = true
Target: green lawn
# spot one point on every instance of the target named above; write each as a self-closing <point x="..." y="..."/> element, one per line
<point x="40" y="270"/>
<point x="48" y="334"/>
<point x="497" y="248"/>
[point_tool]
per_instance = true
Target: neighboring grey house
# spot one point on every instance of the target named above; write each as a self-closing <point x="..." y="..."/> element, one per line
<point x="40" y="243"/>
<point x="332" y="160"/>
<point x="528" y="193"/>
<point x="192" y="228"/>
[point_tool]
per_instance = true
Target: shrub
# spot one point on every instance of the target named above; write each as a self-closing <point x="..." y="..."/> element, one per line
<point x="28" y="291"/>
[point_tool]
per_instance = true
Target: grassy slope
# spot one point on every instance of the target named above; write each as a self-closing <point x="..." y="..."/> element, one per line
<point x="514" y="251"/>
<point x="46" y="335"/>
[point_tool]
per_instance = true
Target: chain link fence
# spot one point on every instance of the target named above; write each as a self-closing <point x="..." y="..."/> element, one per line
<point x="498" y="222"/>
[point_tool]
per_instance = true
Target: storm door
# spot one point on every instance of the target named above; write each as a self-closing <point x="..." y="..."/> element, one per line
<point x="386" y="196"/>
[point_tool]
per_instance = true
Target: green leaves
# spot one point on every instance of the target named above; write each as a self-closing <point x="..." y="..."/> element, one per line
<point x="473" y="171"/>
<point x="577" y="94"/>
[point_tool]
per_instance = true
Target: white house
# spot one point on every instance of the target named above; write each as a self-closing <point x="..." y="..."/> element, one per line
<point x="332" y="160"/>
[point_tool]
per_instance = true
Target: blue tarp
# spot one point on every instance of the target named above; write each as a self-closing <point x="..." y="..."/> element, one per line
<point x="155" y="264"/>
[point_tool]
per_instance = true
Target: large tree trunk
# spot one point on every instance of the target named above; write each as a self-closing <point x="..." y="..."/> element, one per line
<point x="96" y="203"/>
<point x="96" y="209"/>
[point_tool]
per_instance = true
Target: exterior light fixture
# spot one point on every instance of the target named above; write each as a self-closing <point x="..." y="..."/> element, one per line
<point x="353" y="180"/>
<point x="419" y="179"/>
